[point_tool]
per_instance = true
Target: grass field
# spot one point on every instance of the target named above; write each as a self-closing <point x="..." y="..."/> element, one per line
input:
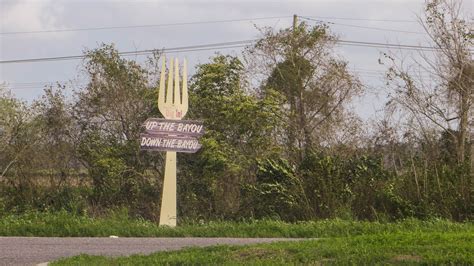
<point x="456" y="248"/>
<point x="63" y="224"/>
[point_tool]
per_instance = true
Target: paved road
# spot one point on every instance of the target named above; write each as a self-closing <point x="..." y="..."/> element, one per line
<point x="35" y="250"/>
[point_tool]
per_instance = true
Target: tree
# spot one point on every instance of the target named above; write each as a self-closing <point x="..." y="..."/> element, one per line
<point x="239" y="131"/>
<point x="20" y="152"/>
<point x="434" y="92"/>
<point x="16" y="136"/>
<point x="109" y="112"/>
<point x="445" y="99"/>
<point x="58" y="135"/>
<point x="118" y="98"/>
<point x="298" y="64"/>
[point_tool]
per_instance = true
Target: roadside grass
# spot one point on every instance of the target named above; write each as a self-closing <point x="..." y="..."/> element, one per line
<point x="64" y="224"/>
<point x="405" y="248"/>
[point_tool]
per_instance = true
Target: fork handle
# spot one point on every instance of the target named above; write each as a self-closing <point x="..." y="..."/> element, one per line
<point x="168" y="201"/>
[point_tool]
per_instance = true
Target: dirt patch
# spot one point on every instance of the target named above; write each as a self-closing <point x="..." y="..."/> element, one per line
<point x="412" y="258"/>
<point x="256" y="253"/>
<point x="326" y="261"/>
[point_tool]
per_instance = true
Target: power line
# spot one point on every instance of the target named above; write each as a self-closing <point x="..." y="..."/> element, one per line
<point x="386" y="45"/>
<point x="36" y="83"/>
<point x="362" y="27"/>
<point x="142" y="26"/>
<point x="39" y="84"/>
<point x="196" y="23"/>
<point x="363" y="19"/>
<point x="193" y="48"/>
<point x="391" y="45"/>
<point x="222" y="45"/>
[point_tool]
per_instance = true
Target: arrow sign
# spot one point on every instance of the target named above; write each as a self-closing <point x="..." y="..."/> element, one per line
<point x="185" y="128"/>
<point x="160" y="142"/>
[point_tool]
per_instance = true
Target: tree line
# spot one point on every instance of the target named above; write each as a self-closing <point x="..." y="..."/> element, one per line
<point x="281" y="139"/>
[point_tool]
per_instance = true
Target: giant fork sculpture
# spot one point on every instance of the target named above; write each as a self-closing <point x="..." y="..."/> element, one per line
<point x="173" y="104"/>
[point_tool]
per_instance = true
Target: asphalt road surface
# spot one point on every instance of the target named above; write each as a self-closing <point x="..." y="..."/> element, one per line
<point x="36" y="250"/>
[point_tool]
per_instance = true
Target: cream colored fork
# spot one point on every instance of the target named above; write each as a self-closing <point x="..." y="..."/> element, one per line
<point x="173" y="105"/>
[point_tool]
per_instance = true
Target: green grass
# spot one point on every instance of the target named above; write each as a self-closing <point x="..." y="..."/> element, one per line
<point x="455" y="248"/>
<point x="64" y="224"/>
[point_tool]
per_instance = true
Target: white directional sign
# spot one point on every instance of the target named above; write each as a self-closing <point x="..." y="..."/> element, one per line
<point x="174" y="127"/>
<point x="171" y="135"/>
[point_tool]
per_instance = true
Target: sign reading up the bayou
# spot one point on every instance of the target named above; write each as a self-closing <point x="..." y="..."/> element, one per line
<point x="171" y="135"/>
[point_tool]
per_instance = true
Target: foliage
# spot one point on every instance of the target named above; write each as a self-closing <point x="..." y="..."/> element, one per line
<point x="445" y="104"/>
<point x="239" y="131"/>
<point x="109" y="114"/>
<point x="277" y="192"/>
<point x="20" y="153"/>
<point x="316" y="86"/>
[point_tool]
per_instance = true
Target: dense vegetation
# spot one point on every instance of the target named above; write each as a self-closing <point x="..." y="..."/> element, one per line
<point x="281" y="141"/>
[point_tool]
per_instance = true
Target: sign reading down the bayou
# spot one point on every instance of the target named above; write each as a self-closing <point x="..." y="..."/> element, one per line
<point x="171" y="135"/>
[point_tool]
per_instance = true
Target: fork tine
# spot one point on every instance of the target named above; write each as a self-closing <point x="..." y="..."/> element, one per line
<point x="177" y="94"/>
<point x="184" y="99"/>
<point x="169" y="91"/>
<point x="161" y="92"/>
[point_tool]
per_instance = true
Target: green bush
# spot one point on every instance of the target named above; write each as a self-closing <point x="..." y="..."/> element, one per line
<point x="277" y="192"/>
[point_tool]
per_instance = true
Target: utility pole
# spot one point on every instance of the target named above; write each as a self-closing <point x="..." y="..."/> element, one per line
<point x="295" y="22"/>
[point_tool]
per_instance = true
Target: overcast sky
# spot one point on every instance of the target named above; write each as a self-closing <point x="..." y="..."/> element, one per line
<point x="27" y="79"/>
